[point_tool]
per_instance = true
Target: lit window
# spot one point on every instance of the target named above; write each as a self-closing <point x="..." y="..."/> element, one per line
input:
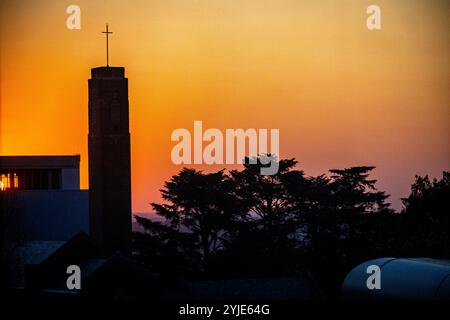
<point x="9" y="181"/>
<point x="16" y="181"/>
<point x="4" y="182"/>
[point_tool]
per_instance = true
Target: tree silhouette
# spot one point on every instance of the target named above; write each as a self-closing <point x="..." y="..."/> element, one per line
<point x="426" y="216"/>
<point x="355" y="194"/>
<point x="244" y="224"/>
<point x="203" y="205"/>
<point x="265" y="196"/>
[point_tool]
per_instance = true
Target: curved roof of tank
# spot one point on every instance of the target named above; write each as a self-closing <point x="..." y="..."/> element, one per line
<point x="412" y="278"/>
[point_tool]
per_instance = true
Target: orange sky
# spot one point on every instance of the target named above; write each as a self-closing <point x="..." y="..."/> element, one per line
<point x="340" y="94"/>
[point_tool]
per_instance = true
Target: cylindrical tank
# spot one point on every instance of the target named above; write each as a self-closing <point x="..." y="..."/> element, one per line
<point x="415" y="278"/>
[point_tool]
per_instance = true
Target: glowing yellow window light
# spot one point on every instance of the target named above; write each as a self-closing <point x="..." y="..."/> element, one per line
<point x="16" y="181"/>
<point x="9" y="181"/>
<point x="4" y="182"/>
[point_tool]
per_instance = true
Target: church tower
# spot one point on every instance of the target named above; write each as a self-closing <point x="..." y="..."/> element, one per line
<point x="109" y="159"/>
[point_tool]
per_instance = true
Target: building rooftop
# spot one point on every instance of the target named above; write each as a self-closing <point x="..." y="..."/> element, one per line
<point x="39" y="162"/>
<point x="108" y="72"/>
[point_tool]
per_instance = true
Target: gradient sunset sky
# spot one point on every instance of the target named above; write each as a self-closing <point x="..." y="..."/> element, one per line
<point x="340" y="94"/>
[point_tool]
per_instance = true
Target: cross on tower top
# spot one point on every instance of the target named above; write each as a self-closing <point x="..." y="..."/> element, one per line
<point x="107" y="33"/>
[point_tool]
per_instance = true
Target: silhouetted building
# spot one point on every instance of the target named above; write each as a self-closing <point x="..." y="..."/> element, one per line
<point x="39" y="172"/>
<point x="44" y="271"/>
<point x="41" y="198"/>
<point x="109" y="159"/>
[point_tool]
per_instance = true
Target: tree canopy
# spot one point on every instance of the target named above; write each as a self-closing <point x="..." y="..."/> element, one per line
<point x="242" y="223"/>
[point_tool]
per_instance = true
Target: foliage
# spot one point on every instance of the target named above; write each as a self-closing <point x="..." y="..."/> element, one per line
<point x="242" y="223"/>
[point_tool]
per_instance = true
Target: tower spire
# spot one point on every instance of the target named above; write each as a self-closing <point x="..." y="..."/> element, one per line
<point x="107" y="33"/>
